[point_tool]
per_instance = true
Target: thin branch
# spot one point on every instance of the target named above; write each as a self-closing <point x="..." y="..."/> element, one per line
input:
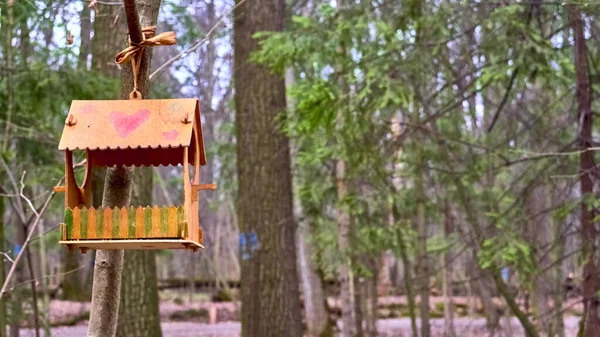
<point x="13" y="182"/>
<point x="26" y="243"/>
<point x="7" y="257"/>
<point x="24" y="197"/>
<point x="133" y="23"/>
<point x="197" y="45"/>
<point x="504" y="99"/>
<point x="37" y="280"/>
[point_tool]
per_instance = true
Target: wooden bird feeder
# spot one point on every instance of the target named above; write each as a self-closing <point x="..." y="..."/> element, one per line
<point x="133" y="133"/>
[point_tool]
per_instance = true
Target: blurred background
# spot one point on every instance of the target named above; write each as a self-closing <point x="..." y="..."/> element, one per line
<point x="442" y="158"/>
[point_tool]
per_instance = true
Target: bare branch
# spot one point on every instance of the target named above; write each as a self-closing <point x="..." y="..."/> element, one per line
<point x="7" y="257"/>
<point x="197" y="44"/>
<point x="27" y="240"/>
<point x="133" y="23"/>
<point x="24" y="197"/>
<point x="13" y="182"/>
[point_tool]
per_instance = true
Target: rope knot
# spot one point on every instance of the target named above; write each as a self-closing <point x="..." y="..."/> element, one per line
<point x="134" y="52"/>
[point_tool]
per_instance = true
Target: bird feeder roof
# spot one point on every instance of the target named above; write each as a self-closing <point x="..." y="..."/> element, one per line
<point x="133" y="127"/>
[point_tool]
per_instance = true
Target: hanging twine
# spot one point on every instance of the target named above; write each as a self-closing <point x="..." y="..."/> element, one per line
<point x="135" y="51"/>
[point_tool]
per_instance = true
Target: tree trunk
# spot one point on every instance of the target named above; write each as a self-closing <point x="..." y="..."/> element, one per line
<point x="35" y="317"/>
<point x="2" y="269"/>
<point x="18" y="295"/>
<point x="587" y="169"/>
<point x="270" y="294"/>
<point x="343" y="217"/>
<point x="422" y="267"/>
<point x="117" y="192"/>
<point x="370" y="298"/>
<point x="422" y="259"/>
<point x="345" y="272"/>
<point x="359" y="299"/>
<point x="138" y="310"/>
<point x="420" y="164"/>
<point x="539" y="236"/>
<point x="85" y="48"/>
<point x="556" y="322"/>
<point x="8" y="52"/>
<point x="447" y="275"/>
<point x="106" y="290"/>
<point x="312" y="288"/>
<point x="44" y="279"/>
<point x="73" y="284"/>
<point x="407" y="271"/>
<point x="110" y="33"/>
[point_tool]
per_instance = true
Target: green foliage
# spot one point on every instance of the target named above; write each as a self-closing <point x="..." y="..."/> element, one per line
<point x="509" y="251"/>
<point x="442" y="80"/>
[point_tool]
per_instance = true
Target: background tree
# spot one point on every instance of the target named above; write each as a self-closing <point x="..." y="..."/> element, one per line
<point x="269" y="293"/>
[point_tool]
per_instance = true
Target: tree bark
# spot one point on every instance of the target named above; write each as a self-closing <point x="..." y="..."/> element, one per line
<point x="420" y="163"/>
<point x="7" y="51"/>
<point x="587" y="169"/>
<point x="557" y="327"/>
<point x="85" y="48"/>
<point x="138" y="310"/>
<point x="447" y="275"/>
<point x="110" y="33"/>
<point x="346" y="279"/>
<point x="106" y="291"/>
<point x="2" y="270"/>
<point x="43" y="254"/>
<point x="117" y="192"/>
<point x="139" y="307"/>
<point x="270" y="294"/>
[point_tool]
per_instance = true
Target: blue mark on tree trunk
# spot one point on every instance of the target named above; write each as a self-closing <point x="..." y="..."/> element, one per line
<point x="248" y="244"/>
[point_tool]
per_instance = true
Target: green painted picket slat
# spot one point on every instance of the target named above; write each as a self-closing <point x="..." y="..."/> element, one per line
<point x="84" y="223"/>
<point x="69" y="223"/>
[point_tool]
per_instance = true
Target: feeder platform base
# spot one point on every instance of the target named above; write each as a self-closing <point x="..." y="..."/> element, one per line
<point x="84" y="245"/>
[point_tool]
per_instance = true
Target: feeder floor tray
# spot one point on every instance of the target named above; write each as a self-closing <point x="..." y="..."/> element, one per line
<point x="84" y="245"/>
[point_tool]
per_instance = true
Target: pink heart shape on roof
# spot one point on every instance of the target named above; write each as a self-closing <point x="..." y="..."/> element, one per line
<point x="171" y="135"/>
<point x="126" y="124"/>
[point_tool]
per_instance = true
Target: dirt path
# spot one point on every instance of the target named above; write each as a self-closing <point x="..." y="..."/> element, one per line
<point x="465" y="327"/>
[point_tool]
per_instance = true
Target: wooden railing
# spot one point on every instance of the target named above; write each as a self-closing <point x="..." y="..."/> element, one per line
<point x="124" y="223"/>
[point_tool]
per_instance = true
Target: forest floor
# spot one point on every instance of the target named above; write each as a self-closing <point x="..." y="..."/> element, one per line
<point x="465" y="327"/>
<point x="69" y="319"/>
